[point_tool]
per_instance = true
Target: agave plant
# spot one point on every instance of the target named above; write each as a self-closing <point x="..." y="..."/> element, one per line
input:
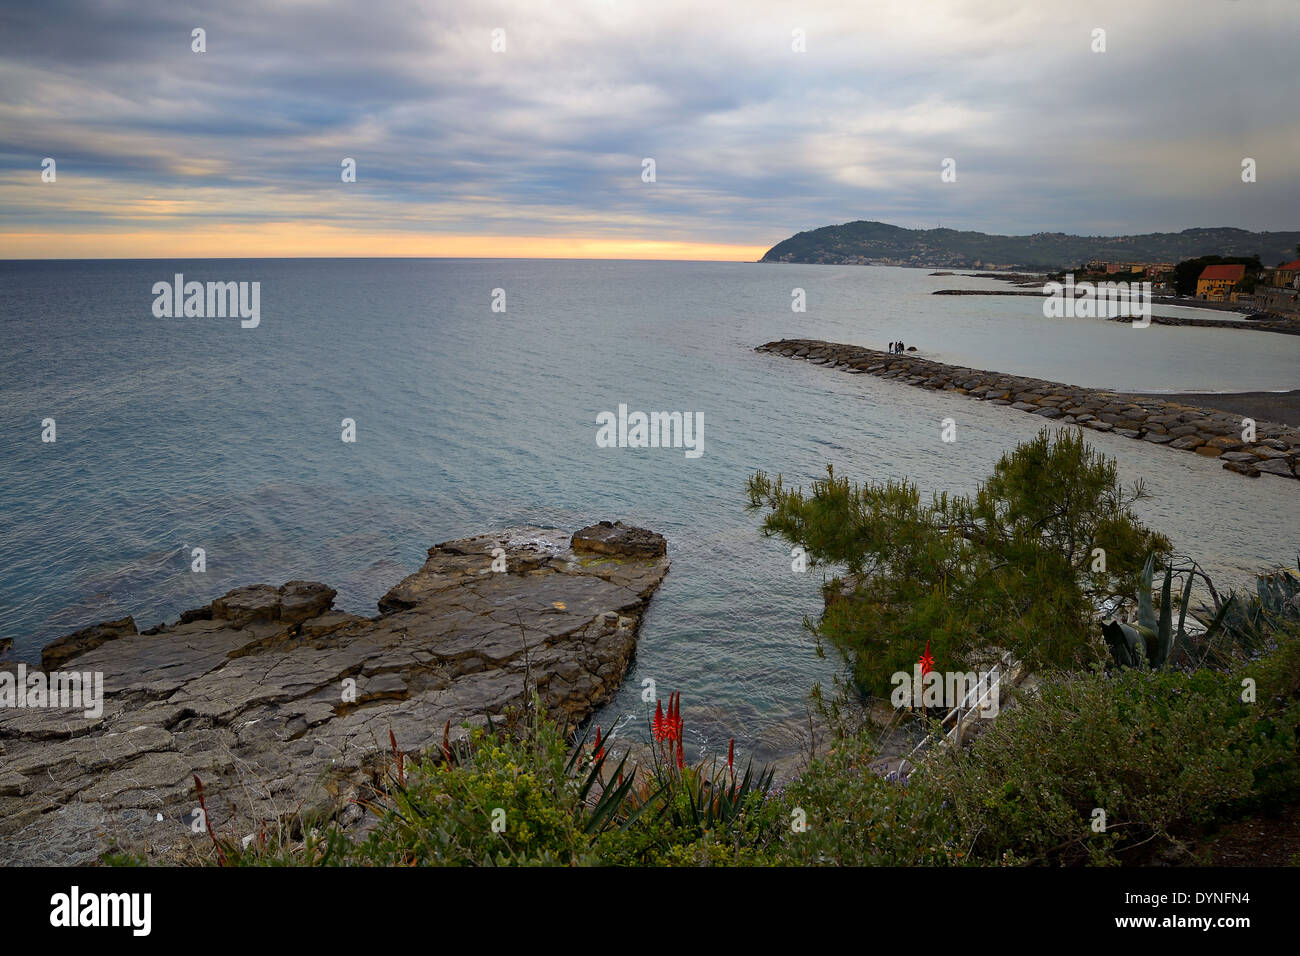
<point x="1243" y="624"/>
<point x="1237" y="624"/>
<point x="1152" y="640"/>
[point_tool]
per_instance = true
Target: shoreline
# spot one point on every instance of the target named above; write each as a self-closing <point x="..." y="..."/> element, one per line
<point x="1212" y="432"/>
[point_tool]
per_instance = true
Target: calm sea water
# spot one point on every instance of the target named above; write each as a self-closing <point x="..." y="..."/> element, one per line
<point x="180" y="433"/>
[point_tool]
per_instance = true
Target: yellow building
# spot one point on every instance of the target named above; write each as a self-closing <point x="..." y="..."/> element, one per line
<point x="1286" y="274"/>
<point x="1216" y="282"/>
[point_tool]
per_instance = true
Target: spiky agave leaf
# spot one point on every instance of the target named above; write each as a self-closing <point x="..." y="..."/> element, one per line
<point x="1164" y="634"/>
<point x="1147" y="613"/>
<point x="1180" y="635"/>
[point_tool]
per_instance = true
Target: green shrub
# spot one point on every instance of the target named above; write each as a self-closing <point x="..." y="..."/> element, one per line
<point x="855" y="817"/>
<point x="443" y="815"/>
<point x="1164" y="754"/>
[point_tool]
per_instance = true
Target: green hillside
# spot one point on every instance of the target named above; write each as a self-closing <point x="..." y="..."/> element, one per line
<point x="863" y="240"/>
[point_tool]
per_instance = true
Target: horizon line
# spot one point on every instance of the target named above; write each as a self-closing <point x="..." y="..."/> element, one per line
<point x="327" y="241"/>
<point x="426" y="258"/>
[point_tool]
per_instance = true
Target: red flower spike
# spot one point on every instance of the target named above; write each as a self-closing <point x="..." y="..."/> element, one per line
<point x="660" y="723"/>
<point x="731" y="756"/>
<point x="401" y="773"/>
<point x="675" y="716"/>
<point x="598" y="749"/>
<point x="927" y="662"/>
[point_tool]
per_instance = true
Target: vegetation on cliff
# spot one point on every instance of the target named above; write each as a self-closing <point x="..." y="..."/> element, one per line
<point x="950" y="248"/>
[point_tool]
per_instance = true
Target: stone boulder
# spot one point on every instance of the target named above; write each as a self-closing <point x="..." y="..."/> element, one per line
<point x="619" y="540"/>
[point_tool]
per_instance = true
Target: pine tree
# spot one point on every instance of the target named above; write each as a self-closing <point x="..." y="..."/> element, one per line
<point x="1014" y="566"/>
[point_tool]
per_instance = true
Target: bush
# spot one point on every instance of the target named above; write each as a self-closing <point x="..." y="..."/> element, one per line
<point x="1158" y="753"/>
<point x="855" y="817"/>
<point x="444" y="816"/>
<point x="553" y="805"/>
<point x="1165" y="754"/>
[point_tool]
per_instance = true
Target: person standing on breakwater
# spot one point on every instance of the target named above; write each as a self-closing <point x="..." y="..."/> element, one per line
<point x="900" y="345"/>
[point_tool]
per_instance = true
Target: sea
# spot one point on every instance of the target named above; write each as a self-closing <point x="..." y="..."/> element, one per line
<point x="474" y="388"/>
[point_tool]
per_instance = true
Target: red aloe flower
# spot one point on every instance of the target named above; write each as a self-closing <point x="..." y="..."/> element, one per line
<point x="597" y="748"/>
<point x="401" y="772"/>
<point x="675" y="716"/>
<point x="927" y="662"/>
<point x="667" y="726"/>
<point x="731" y="756"/>
<point x="661" y="722"/>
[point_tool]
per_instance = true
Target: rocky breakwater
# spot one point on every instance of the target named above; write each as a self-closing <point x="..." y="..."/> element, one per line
<point x="1275" y="449"/>
<point x="1282" y="326"/>
<point x="283" y="706"/>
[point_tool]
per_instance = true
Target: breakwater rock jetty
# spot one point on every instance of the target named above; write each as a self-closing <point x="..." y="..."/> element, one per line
<point x="1281" y="326"/>
<point x="282" y="706"/>
<point x="1275" y="448"/>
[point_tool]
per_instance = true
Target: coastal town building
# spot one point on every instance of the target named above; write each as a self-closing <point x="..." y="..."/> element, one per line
<point x="1215" y="282"/>
<point x="1150" y="269"/>
<point x="1278" y="300"/>
<point x="1287" y="275"/>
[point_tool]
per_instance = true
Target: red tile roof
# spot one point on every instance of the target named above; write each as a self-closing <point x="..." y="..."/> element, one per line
<point x="1233" y="272"/>
<point x="1292" y="266"/>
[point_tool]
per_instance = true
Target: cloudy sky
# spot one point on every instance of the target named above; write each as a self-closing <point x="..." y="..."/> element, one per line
<point x="538" y="149"/>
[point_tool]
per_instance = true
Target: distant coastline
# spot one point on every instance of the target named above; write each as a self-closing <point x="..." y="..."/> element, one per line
<point x="867" y="242"/>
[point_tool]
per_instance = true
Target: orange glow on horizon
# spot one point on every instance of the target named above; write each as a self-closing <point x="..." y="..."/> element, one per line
<point x="290" y="240"/>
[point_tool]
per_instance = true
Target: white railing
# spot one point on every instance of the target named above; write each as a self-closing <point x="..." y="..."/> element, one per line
<point x="985" y="688"/>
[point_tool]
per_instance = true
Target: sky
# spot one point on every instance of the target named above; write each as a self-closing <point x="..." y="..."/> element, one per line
<point x="522" y="128"/>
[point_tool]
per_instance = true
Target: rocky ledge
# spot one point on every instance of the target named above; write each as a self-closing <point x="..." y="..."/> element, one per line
<point x="1205" y="431"/>
<point x="283" y="706"/>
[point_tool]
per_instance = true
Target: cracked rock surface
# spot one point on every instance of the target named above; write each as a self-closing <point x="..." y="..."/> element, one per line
<point x="282" y="706"/>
